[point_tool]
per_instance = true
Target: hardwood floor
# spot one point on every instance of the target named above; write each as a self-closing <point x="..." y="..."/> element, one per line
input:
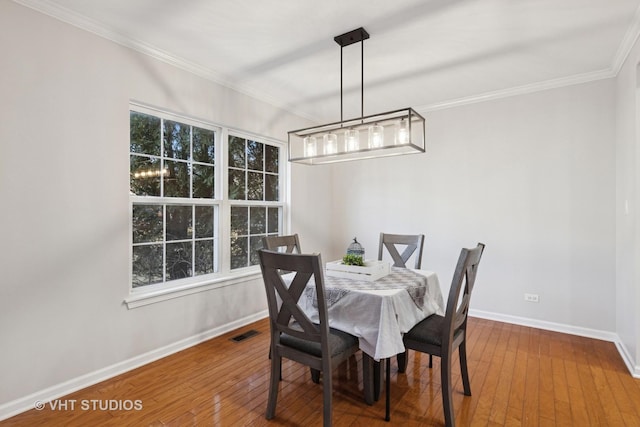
<point x="520" y="376"/>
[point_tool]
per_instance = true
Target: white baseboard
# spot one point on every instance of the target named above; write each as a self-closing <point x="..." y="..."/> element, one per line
<point x="628" y="360"/>
<point x="548" y="326"/>
<point x="8" y="410"/>
<point x="566" y="329"/>
<point x="26" y="403"/>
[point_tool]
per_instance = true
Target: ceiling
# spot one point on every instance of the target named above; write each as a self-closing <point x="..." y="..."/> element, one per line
<point x="425" y="54"/>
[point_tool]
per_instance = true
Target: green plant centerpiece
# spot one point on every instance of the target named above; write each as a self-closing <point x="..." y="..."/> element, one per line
<point x="355" y="254"/>
<point x="350" y="259"/>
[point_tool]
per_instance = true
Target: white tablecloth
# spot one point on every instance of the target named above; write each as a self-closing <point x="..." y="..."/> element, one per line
<point x="380" y="317"/>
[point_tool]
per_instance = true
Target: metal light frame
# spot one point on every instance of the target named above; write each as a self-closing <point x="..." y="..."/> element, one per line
<point x="386" y="134"/>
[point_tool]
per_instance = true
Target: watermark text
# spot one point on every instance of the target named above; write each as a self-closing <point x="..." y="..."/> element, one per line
<point x="89" y="405"/>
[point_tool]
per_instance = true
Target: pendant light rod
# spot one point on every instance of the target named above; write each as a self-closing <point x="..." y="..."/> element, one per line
<point x="341" y="103"/>
<point x="361" y="79"/>
<point x="359" y="35"/>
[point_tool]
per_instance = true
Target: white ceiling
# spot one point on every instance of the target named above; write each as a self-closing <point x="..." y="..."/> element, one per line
<point x="424" y="54"/>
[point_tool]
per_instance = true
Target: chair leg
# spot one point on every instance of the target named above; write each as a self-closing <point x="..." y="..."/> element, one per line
<point x="402" y="361"/>
<point x="276" y="364"/>
<point x="462" y="350"/>
<point x="327" y="390"/>
<point x="447" y="395"/>
<point x="315" y="375"/>
<point x="431" y="360"/>
<point x="280" y="364"/>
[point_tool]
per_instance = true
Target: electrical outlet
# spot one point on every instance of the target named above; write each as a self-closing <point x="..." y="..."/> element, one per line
<point x="531" y="297"/>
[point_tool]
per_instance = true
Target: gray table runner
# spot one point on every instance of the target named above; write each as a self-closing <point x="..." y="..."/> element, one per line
<point x="399" y="278"/>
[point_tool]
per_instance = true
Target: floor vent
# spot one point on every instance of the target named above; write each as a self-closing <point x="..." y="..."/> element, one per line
<point x="244" y="336"/>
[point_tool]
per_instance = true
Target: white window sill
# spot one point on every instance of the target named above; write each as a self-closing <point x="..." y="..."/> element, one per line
<point x="140" y="298"/>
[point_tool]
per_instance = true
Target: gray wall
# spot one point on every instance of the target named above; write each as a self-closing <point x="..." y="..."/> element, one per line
<point x="64" y="133"/>
<point x="539" y="178"/>
<point x="628" y="207"/>
<point x="531" y="176"/>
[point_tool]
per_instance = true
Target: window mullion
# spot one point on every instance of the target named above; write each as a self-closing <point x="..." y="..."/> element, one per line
<point x="163" y="164"/>
<point x="164" y="243"/>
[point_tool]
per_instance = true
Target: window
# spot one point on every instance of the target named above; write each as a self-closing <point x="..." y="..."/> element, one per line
<point x="195" y="215"/>
<point x="254" y="197"/>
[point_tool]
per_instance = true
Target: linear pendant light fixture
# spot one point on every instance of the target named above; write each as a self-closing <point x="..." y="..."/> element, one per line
<point x="380" y="135"/>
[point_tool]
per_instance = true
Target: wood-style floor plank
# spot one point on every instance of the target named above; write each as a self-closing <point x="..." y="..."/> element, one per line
<point x="519" y="376"/>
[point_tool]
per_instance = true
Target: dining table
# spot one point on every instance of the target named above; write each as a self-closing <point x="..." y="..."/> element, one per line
<point x="378" y="312"/>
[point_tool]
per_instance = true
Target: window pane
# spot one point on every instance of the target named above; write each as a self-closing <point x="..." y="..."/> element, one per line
<point x="203" y="182"/>
<point x="204" y="221"/>
<point x="255" y="186"/>
<point x="144" y="177"/>
<point x="271" y="158"/>
<point x="178" y="260"/>
<point x="147" y="265"/>
<point x="147" y="223"/>
<point x="144" y="134"/>
<point x="255" y="154"/>
<point x="236" y="184"/>
<point x="274" y="220"/>
<point x="236" y="152"/>
<point x="176" y="181"/>
<point x="256" y="245"/>
<point x="271" y="187"/>
<point x="176" y="140"/>
<point x="239" y="252"/>
<point x="258" y="220"/>
<point x="179" y="223"/>
<point x="203" y="145"/>
<point x="239" y="221"/>
<point x="204" y="257"/>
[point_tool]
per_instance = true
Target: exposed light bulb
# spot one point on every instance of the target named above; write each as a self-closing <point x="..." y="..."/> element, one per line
<point x="351" y="140"/>
<point x="330" y="142"/>
<point x="403" y="135"/>
<point x="310" y="146"/>
<point x="376" y="136"/>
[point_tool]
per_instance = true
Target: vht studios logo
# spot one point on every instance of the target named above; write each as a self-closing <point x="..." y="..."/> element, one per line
<point x="90" y="405"/>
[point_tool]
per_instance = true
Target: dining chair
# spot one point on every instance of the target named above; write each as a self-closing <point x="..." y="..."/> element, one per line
<point x="288" y="244"/>
<point x="442" y="335"/>
<point x="293" y="335"/>
<point x="413" y="244"/>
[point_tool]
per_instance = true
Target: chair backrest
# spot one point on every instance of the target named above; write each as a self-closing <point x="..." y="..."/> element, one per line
<point x="288" y="316"/>
<point x="288" y="244"/>
<point x="457" y="304"/>
<point x="413" y="244"/>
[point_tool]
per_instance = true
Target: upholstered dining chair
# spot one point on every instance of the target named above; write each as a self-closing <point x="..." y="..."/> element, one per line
<point x="288" y="244"/>
<point x="442" y="335"/>
<point x="412" y="243"/>
<point x="293" y="335"/>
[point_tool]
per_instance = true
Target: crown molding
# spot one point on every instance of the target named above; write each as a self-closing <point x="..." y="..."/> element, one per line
<point x="627" y="43"/>
<point x="80" y="21"/>
<point x="519" y="90"/>
<point x="70" y="17"/>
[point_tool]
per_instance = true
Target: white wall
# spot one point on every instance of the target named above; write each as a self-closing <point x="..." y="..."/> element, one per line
<point x="531" y="176"/>
<point x="627" y="207"/>
<point x="64" y="166"/>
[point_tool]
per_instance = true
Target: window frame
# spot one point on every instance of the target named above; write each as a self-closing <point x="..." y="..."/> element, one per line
<point x="225" y="276"/>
